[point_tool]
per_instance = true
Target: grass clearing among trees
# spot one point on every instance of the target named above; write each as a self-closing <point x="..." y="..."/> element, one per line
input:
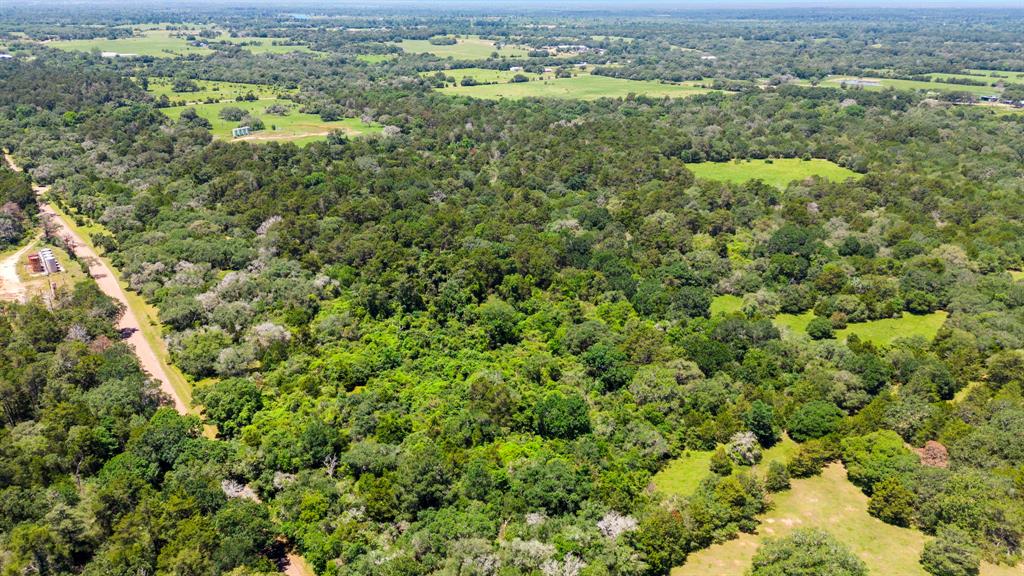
<point x="297" y="127"/>
<point x="832" y="503"/>
<point x="156" y="43"/>
<point x="777" y="172"/>
<point x="468" y="48"/>
<point x="683" y="475"/>
<point x="581" y="87"/>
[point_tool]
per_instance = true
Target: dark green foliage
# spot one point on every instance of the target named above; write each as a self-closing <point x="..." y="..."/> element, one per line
<point x="814" y="420"/>
<point x="776" y="479"/>
<point x="806" y="551"/>
<point x="892" y="502"/>
<point x="721" y="464"/>
<point x="562" y="416"/>
<point x="760" y="419"/>
<point x="951" y="553"/>
<point x="819" y="328"/>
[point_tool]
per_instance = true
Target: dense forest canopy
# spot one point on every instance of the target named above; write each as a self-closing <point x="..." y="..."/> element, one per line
<point x="466" y="339"/>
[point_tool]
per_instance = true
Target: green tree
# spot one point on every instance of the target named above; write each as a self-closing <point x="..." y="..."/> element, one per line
<point x="721" y="464"/>
<point x="892" y="502"/>
<point x="760" y="419"/>
<point x="806" y="552"/>
<point x="814" y="420"/>
<point x="820" y="328"/>
<point x="951" y="553"/>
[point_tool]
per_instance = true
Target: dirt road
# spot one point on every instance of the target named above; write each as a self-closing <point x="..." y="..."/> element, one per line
<point x="107" y="282"/>
<point x="11" y="286"/>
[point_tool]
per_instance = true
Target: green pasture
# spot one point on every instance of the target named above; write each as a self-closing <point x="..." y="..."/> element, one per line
<point x="482" y="75"/>
<point x="297" y="127"/>
<point x="258" y="45"/>
<point x="915" y="85"/>
<point x="778" y="172"/>
<point x="1011" y="77"/>
<point x="683" y="475"/>
<point x="208" y="89"/>
<point x="581" y="87"/>
<point x="157" y="43"/>
<point x="375" y="58"/>
<point x="829" y="502"/>
<point x="468" y="48"/>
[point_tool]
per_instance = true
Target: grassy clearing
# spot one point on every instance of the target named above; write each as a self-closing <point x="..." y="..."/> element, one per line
<point x="258" y="45"/>
<point x="468" y="48"/>
<point x="829" y="502"/>
<point x="38" y="285"/>
<point x="147" y="314"/>
<point x="375" y="58"/>
<point x="483" y="75"/>
<point x="880" y="332"/>
<point x="726" y="304"/>
<point x="1016" y="274"/>
<point x="682" y="476"/>
<point x="581" y="87"/>
<point x="211" y="89"/>
<point x="297" y="127"/>
<point x="999" y="75"/>
<point x="157" y="43"/>
<point x="913" y="85"/>
<point x="778" y="172"/>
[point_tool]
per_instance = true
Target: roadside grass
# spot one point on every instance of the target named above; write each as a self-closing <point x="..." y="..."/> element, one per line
<point x="467" y="48"/>
<point x="297" y="127"/>
<point x="683" y="475"/>
<point x="147" y="314"/>
<point x="157" y="43"/>
<point x="778" y="172"/>
<point x="211" y="89"/>
<point x="580" y="87"/>
<point x="832" y="503"/>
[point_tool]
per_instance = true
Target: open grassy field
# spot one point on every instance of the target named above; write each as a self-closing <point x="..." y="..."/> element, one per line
<point x="581" y="87"/>
<point x="258" y="45"/>
<point x="778" y="172"/>
<point x="157" y="43"/>
<point x="682" y="476"/>
<point x="468" y="48"/>
<point x="375" y="58"/>
<point x="296" y="126"/>
<point x="880" y="332"/>
<point x="1012" y="77"/>
<point x="913" y="85"/>
<point x="1016" y="274"/>
<point x="210" y="89"/>
<point x="483" y="75"/>
<point x="829" y="502"/>
<point x="726" y="304"/>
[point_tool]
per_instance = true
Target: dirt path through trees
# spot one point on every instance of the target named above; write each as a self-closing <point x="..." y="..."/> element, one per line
<point x="11" y="286"/>
<point x="107" y="282"/>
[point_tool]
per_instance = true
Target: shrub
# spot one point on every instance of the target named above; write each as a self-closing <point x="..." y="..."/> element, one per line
<point x="814" y="420"/>
<point x="721" y="464"/>
<point x="951" y="553"/>
<point x="231" y="113"/>
<point x="776" y="479"/>
<point x="820" y="329"/>
<point x="806" y="551"/>
<point x="892" y="503"/>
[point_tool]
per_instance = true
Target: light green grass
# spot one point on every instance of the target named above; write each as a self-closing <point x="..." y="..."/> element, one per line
<point x="1016" y="274"/>
<point x="832" y="503"/>
<point x="483" y="75"/>
<point x="683" y="475"/>
<point x="778" y="172"/>
<point x="879" y="332"/>
<point x="1011" y="77"/>
<point x="157" y="43"/>
<point x="885" y="331"/>
<point x="468" y="48"/>
<point x="726" y="304"/>
<point x="264" y="45"/>
<point x="376" y="58"/>
<point x="297" y="127"/>
<point x="159" y="86"/>
<point x="914" y="85"/>
<point x="581" y="87"/>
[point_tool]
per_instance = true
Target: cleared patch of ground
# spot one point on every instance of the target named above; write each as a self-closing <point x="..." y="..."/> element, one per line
<point x="682" y="476"/>
<point x="156" y="43"/>
<point x="580" y="87"/>
<point x="467" y="48"/>
<point x="829" y="502"/>
<point x="295" y="126"/>
<point x="778" y="172"/>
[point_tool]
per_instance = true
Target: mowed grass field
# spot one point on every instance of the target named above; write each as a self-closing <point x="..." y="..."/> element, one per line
<point x="468" y="48"/>
<point x="829" y="502"/>
<point x="879" y="332"/>
<point x="912" y="85"/>
<point x="581" y="87"/>
<point x="296" y="126"/>
<point x="483" y="75"/>
<point x="258" y="45"/>
<point x="157" y="43"/>
<point x="778" y="172"/>
<point x="211" y="89"/>
<point x="683" y="475"/>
